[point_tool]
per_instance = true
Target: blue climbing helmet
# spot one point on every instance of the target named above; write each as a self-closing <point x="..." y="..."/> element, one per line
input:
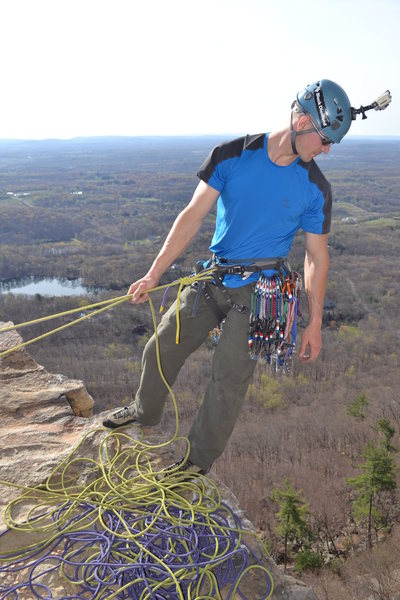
<point x="329" y="108"/>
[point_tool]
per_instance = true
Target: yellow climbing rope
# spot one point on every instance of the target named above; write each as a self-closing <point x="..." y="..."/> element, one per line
<point x="106" y="304"/>
<point x="118" y="526"/>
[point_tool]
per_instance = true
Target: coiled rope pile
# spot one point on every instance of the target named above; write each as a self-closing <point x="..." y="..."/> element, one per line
<point x="116" y="526"/>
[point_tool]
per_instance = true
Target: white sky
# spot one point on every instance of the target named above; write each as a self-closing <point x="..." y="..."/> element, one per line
<point x="176" y="67"/>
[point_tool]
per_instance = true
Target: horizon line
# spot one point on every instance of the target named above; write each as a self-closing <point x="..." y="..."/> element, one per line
<point x="166" y="136"/>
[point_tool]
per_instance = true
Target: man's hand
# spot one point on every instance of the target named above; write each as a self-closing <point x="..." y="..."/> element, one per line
<point x="140" y="287"/>
<point x="311" y="343"/>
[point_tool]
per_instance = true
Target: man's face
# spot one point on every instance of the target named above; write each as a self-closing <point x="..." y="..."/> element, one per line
<point x="311" y="144"/>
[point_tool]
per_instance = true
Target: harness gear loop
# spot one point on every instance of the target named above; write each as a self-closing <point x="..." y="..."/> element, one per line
<point x="244" y="267"/>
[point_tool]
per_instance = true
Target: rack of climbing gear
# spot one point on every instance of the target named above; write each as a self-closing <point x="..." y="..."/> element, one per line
<point x="273" y="319"/>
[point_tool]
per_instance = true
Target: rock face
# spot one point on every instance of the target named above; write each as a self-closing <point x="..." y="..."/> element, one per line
<point x="45" y="416"/>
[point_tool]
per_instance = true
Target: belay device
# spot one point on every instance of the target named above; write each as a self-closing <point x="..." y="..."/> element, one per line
<point x="273" y="319"/>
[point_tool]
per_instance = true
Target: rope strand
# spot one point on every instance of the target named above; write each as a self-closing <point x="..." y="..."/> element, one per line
<point x="127" y="529"/>
<point x="107" y="304"/>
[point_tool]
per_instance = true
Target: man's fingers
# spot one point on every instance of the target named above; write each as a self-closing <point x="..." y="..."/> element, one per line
<point x="139" y="298"/>
<point x="138" y="292"/>
<point x="313" y="352"/>
<point x="303" y="351"/>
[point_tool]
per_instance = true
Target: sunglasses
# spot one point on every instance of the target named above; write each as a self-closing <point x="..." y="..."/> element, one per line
<point x="325" y="140"/>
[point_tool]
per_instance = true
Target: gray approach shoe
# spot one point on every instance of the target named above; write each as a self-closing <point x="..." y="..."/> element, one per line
<point x="186" y="467"/>
<point x="120" y="417"/>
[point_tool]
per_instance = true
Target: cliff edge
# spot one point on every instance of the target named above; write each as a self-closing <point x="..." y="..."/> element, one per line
<point x="44" y="417"/>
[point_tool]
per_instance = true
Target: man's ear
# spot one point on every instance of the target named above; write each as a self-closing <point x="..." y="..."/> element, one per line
<point x="303" y="122"/>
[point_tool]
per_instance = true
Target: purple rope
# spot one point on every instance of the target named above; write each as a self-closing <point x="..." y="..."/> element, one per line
<point x="164" y="299"/>
<point x="102" y="561"/>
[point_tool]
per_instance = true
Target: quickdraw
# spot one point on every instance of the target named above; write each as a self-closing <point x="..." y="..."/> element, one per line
<point x="273" y="319"/>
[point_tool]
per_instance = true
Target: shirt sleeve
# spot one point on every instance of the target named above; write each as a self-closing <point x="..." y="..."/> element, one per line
<point x="218" y="164"/>
<point x="317" y="217"/>
<point x="211" y="171"/>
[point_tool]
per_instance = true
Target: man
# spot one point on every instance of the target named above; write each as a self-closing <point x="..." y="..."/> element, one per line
<point x="267" y="187"/>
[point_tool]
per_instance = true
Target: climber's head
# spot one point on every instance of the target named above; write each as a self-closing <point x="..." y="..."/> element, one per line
<point x="328" y="108"/>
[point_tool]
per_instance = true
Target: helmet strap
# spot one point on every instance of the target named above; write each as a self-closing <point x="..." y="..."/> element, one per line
<point x="292" y="135"/>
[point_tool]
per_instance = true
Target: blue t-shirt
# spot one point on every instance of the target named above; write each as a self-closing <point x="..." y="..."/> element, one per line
<point x="262" y="205"/>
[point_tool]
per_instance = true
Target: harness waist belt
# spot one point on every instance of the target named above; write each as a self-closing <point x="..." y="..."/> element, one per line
<point x="246" y="266"/>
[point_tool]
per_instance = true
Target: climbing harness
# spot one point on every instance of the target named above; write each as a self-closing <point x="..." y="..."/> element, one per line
<point x="273" y="320"/>
<point x="219" y="267"/>
<point x="273" y="310"/>
<point x="121" y="531"/>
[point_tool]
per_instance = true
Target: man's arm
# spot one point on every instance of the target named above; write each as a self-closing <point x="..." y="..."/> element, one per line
<point x="316" y="265"/>
<point x="182" y="232"/>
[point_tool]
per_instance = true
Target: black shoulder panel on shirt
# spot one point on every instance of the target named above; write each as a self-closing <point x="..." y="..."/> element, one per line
<point x="316" y="176"/>
<point x="230" y="149"/>
<point x="254" y="142"/>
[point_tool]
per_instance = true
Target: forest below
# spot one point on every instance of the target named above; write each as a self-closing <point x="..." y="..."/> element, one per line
<point x="99" y="209"/>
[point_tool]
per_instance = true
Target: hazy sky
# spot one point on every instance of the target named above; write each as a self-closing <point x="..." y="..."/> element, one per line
<point x="163" y="67"/>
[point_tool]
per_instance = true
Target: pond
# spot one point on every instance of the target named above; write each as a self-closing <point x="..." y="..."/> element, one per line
<point x="49" y="286"/>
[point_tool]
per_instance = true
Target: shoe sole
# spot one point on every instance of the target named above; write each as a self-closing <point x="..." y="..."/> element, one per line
<point x="184" y="472"/>
<point x="112" y="425"/>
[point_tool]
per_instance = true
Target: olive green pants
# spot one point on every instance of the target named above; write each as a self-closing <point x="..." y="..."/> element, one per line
<point x="232" y="369"/>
